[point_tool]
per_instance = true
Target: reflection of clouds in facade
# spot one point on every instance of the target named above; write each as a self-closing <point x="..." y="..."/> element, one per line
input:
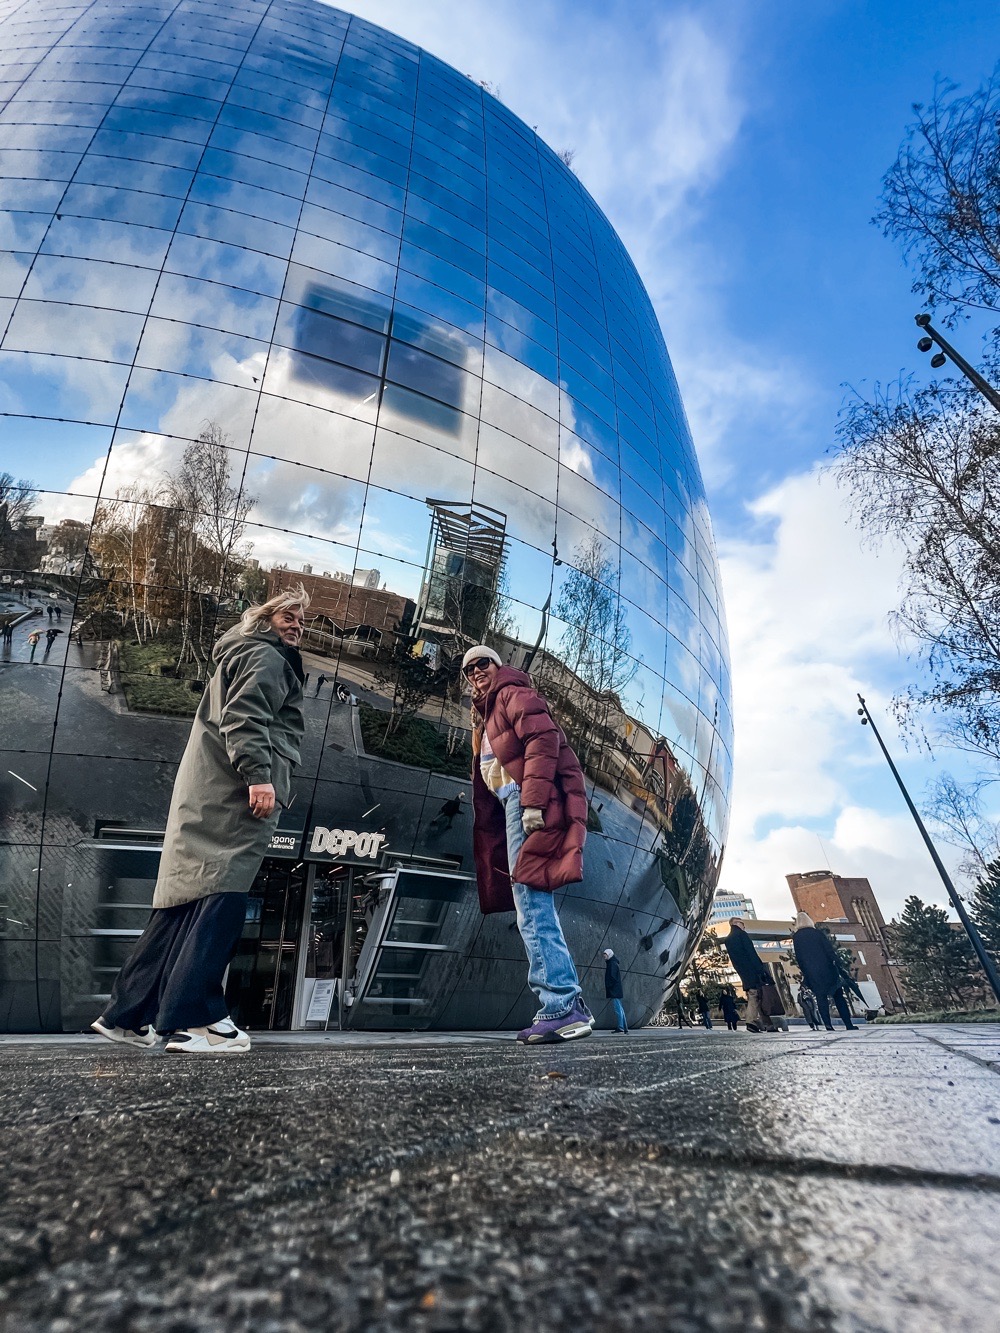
<point x="266" y="336"/>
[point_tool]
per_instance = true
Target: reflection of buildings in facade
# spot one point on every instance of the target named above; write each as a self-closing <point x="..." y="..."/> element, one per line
<point x="346" y="613"/>
<point x="263" y="326"/>
<point x="462" y="573"/>
<point x="849" y="910"/>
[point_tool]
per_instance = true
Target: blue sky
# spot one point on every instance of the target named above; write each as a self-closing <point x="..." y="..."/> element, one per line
<point x="738" y="148"/>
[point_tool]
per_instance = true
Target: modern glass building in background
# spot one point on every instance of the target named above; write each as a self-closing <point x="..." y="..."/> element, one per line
<point x="283" y="297"/>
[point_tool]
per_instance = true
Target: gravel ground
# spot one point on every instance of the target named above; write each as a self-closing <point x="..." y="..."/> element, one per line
<point x="687" y="1182"/>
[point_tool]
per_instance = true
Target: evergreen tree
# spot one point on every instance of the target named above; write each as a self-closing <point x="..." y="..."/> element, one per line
<point x="985" y="907"/>
<point x="936" y="960"/>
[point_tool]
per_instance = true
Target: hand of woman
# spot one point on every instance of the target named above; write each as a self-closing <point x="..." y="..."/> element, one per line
<point x="261" y="800"/>
<point x="532" y="820"/>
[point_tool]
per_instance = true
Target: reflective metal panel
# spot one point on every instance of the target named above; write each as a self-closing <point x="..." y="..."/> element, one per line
<point x="284" y="298"/>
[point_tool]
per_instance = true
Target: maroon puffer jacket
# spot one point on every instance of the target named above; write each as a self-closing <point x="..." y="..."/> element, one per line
<point x="531" y="746"/>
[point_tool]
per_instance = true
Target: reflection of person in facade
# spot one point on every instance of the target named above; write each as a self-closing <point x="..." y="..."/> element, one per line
<point x="530" y="824"/>
<point x="820" y="968"/>
<point x="729" y="1010"/>
<point x="613" y="989"/>
<point x="233" y="778"/>
<point x="445" y="817"/>
<point x="751" y="970"/>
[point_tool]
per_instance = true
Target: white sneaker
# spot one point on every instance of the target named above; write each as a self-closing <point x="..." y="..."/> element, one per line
<point x="222" y="1038"/>
<point x="144" y="1037"/>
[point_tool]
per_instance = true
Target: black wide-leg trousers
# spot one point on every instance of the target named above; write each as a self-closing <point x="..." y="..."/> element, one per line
<point x="173" y="976"/>
<point x="823" y="1005"/>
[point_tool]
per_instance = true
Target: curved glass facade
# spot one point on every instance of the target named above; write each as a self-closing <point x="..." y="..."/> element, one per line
<point x="284" y="297"/>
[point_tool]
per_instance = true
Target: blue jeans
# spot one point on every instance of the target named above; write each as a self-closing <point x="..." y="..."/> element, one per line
<point x="551" y="972"/>
<point x="621" y="1022"/>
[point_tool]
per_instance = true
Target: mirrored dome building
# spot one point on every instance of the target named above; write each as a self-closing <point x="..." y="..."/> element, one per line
<point x="284" y="298"/>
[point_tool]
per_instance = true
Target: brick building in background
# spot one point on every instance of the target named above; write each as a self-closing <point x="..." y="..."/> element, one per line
<point x="361" y="614"/>
<point x="850" y="910"/>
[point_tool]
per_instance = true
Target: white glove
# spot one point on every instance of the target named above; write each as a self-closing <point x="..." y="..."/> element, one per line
<point x="532" y="820"/>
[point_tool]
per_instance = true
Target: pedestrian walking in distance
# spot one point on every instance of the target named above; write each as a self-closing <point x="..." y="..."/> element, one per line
<point x="320" y="682"/>
<point x="529" y="825"/>
<point x="752" y="971"/>
<point x="613" y="989"/>
<point x="33" y="638"/>
<point x="233" y="778"/>
<point x="730" y="1013"/>
<point x="8" y="633"/>
<point x="50" y="637"/>
<point x="820" y="968"/>
<point x="704" y="1010"/>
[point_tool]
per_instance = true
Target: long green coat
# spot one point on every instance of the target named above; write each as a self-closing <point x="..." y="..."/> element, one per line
<point x="248" y="729"/>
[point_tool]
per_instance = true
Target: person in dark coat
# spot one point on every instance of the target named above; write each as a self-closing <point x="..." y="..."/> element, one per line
<point x="447" y="814"/>
<point x="233" y="779"/>
<point x="729" y="1010"/>
<point x="613" y="989"/>
<point x="704" y="1010"/>
<point x="820" y="968"/>
<point x="751" y="970"/>
<point x="529" y="805"/>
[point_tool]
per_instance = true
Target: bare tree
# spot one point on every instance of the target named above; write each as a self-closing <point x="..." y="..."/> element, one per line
<point x="924" y="469"/>
<point x="212" y="515"/>
<point x="957" y="811"/>
<point x="17" y="498"/>
<point x="941" y="198"/>
<point x="597" y="639"/>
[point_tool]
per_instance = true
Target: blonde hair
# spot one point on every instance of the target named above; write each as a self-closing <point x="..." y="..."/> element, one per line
<point x="255" y="618"/>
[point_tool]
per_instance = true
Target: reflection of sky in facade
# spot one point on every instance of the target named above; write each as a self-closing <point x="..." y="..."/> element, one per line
<point x="380" y="284"/>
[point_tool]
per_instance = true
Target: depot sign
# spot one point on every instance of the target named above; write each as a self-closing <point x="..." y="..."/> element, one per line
<point x="341" y="843"/>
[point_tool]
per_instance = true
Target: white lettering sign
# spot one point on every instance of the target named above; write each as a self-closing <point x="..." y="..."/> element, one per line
<point x="341" y="842"/>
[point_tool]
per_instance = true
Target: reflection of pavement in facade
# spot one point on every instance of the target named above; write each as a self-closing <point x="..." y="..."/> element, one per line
<point x="800" y="1184"/>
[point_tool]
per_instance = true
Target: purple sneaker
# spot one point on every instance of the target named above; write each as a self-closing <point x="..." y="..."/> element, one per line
<point x="577" y="1023"/>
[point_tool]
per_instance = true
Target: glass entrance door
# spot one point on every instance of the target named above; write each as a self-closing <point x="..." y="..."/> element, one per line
<point x="261" y="985"/>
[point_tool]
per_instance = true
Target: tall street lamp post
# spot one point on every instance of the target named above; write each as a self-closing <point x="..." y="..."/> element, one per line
<point x="931" y="336"/>
<point x="988" y="966"/>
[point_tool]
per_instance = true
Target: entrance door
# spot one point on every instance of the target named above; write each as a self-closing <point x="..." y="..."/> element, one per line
<point x="261" y="985"/>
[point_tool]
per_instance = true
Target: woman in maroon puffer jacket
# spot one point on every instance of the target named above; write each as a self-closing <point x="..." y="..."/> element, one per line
<point x="530" y="810"/>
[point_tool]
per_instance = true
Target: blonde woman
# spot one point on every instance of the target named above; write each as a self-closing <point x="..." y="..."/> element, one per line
<point x="233" y="778"/>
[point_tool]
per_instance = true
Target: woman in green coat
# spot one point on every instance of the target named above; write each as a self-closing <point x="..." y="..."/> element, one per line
<point x="232" y="780"/>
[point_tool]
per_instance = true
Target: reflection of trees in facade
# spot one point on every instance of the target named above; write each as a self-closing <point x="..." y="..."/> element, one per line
<point x="19" y="548"/>
<point x="594" y="652"/>
<point x="169" y="551"/>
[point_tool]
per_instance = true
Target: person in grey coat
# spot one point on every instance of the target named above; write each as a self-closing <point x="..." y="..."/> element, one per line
<point x="233" y="779"/>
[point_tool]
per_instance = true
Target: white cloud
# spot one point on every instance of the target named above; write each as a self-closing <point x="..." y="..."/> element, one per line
<point x="808" y="610"/>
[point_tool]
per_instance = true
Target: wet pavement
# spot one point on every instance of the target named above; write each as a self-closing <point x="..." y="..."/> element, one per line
<point x="671" y="1181"/>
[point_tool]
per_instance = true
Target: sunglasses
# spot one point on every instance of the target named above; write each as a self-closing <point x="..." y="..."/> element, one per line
<point x="480" y="664"/>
